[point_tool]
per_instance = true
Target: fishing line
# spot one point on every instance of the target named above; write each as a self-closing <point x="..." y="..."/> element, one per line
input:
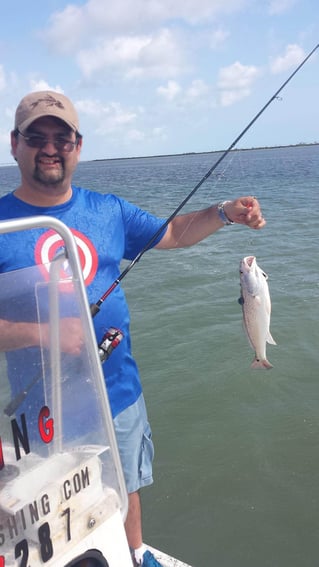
<point x="218" y="179"/>
<point x="95" y="307"/>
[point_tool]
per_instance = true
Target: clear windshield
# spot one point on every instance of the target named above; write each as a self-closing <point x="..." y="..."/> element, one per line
<point x="60" y="474"/>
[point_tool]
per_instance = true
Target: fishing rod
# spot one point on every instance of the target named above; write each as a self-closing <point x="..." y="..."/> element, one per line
<point x="112" y="339"/>
<point x="95" y="307"/>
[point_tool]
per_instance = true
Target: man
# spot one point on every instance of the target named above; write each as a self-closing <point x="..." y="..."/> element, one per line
<point x="46" y="143"/>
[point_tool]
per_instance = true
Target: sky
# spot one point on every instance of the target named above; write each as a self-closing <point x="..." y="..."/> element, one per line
<point x="154" y="77"/>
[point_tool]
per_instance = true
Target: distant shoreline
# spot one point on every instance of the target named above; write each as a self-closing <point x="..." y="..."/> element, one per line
<point x="303" y="144"/>
<point x="209" y="152"/>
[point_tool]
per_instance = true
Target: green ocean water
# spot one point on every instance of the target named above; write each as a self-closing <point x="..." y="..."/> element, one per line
<point x="236" y="450"/>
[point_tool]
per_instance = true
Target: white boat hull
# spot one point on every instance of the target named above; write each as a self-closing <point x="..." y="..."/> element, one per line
<point x="167" y="560"/>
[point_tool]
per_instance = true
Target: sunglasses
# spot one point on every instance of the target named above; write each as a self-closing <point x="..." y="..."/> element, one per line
<point x="37" y="141"/>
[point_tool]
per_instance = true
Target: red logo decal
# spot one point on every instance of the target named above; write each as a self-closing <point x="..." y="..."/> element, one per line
<point x="51" y="242"/>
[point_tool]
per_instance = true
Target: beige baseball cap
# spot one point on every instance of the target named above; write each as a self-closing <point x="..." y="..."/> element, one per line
<point x="45" y="103"/>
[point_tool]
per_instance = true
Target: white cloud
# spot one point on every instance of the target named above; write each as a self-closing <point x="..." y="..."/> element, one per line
<point x="4" y="138"/>
<point x="89" y="107"/>
<point x="156" y="133"/>
<point x="109" y="117"/>
<point x="136" y="38"/>
<point x="163" y="56"/>
<point x="203" y="11"/>
<point x="280" y="6"/>
<point x="66" y="29"/>
<point x="218" y="38"/>
<point x="136" y="135"/>
<point x="6" y="157"/>
<point x="197" y="89"/>
<point x="9" y="112"/>
<point x="117" y="123"/>
<point x="75" y="25"/>
<point x="293" y="55"/>
<point x="42" y="85"/>
<point x="159" y="132"/>
<point x="157" y="55"/>
<point x="235" y="81"/>
<point x="3" y="81"/>
<point x="170" y="91"/>
<point x="117" y="52"/>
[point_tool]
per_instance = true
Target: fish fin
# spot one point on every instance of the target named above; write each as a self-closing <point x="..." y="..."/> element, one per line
<point x="270" y="340"/>
<point x="261" y="364"/>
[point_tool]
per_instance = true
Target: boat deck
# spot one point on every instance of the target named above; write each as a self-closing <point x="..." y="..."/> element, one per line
<point x="167" y="560"/>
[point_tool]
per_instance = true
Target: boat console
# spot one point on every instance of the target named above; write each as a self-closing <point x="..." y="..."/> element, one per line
<point x="63" y="500"/>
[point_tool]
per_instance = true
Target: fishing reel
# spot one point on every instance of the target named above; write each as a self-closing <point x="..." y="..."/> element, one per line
<point x="111" y="339"/>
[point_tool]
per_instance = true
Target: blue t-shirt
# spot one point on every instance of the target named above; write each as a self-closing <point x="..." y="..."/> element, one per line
<point x="107" y="229"/>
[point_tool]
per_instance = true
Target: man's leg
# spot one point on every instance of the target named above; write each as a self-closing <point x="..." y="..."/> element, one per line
<point x="133" y="524"/>
<point x="134" y="438"/>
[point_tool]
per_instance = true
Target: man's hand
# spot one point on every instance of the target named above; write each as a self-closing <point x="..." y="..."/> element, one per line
<point x="71" y="335"/>
<point x="245" y="210"/>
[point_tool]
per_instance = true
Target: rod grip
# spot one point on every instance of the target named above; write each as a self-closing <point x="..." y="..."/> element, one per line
<point x="94" y="308"/>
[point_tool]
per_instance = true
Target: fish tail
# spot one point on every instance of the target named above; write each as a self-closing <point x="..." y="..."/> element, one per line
<point x="261" y="364"/>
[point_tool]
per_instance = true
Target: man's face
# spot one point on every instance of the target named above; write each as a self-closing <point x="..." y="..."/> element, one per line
<point x="52" y="165"/>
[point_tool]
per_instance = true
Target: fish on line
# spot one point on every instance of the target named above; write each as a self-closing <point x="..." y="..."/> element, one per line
<point x="256" y="307"/>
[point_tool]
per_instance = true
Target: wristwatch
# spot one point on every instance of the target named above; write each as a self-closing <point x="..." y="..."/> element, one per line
<point x="221" y="213"/>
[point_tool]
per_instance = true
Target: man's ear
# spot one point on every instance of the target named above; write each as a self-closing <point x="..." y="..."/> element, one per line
<point x="14" y="143"/>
